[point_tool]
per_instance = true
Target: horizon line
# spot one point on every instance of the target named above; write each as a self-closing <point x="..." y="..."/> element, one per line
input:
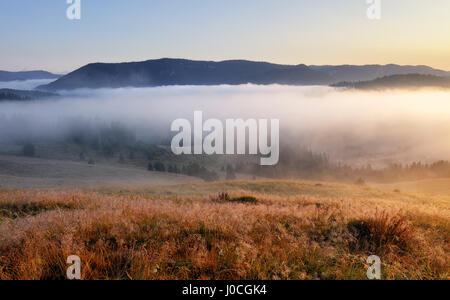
<point x="226" y="60"/>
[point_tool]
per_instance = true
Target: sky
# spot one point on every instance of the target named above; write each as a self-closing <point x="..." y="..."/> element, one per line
<point x="36" y="34"/>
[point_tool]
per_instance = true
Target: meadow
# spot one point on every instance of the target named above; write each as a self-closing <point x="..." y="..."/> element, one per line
<point x="260" y="229"/>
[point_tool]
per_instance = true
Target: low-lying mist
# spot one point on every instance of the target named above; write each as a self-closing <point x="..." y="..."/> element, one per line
<point x="24" y="84"/>
<point x="349" y="126"/>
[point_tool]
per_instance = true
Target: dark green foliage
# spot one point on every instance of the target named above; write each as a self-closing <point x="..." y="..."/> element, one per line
<point x="107" y="139"/>
<point x="29" y="150"/>
<point x="398" y="81"/>
<point x="160" y="167"/>
<point x="195" y="170"/>
<point x="22" y="95"/>
<point x="173" y="169"/>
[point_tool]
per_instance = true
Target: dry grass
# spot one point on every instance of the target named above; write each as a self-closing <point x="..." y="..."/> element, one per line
<point x="226" y="198"/>
<point x="383" y="234"/>
<point x="290" y="230"/>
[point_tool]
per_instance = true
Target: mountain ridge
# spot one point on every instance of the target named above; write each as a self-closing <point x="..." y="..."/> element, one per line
<point x="6" y="76"/>
<point x="399" y="81"/>
<point x="168" y="71"/>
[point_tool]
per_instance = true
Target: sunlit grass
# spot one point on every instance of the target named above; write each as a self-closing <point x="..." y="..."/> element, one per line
<point x="254" y="230"/>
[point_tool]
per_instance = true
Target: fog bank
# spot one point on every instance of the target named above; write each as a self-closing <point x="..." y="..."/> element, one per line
<point x="354" y="127"/>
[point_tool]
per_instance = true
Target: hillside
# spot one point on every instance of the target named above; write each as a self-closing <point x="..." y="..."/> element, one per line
<point x="20" y="95"/>
<point x="438" y="186"/>
<point x="26" y="75"/>
<point x="255" y="230"/>
<point x="409" y="81"/>
<point x="185" y="72"/>
<point x="163" y="72"/>
<point x="23" y="172"/>
<point x="372" y="72"/>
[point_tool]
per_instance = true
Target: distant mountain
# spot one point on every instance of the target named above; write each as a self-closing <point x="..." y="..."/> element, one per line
<point x="371" y="72"/>
<point x="163" y="72"/>
<point x="26" y="75"/>
<point x="19" y="95"/>
<point x="409" y="81"/>
<point x="166" y="71"/>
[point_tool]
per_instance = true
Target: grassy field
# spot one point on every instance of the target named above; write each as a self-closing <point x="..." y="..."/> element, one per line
<point x="37" y="173"/>
<point x="224" y="230"/>
<point x="439" y="186"/>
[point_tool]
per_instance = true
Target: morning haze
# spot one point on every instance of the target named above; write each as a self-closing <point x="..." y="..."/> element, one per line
<point x="411" y="32"/>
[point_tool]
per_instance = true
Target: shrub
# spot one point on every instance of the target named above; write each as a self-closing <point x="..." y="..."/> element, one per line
<point x="222" y="197"/>
<point x="160" y="167"/>
<point x="225" y="197"/>
<point x="244" y="199"/>
<point x="194" y="169"/>
<point x="150" y="167"/>
<point x="360" y="181"/>
<point x="28" y="150"/>
<point x="91" y="162"/>
<point x="382" y="234"/>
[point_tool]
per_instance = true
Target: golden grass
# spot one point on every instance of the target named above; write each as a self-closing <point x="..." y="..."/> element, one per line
<point x="431" y="186"/>
<point x="294" y="230"/>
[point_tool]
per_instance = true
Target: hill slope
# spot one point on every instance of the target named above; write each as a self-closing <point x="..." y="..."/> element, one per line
<point x="26" y="75"/>
<point x="20" y="95"/>
<point x="185" y="72"/>
<point x="23" y="172"/>
<point x="409" y="81"/>
<point x="163" y="72"/>
<point x="371" y="72"/>
<point x="259" y="230"/>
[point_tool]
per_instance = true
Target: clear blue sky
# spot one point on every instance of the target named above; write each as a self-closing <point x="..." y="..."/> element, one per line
<point x="35" y="34"/>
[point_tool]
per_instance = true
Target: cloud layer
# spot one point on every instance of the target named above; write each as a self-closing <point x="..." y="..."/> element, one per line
<point x="356" y="127"/>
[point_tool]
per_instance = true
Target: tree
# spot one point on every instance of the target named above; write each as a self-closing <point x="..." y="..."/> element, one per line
<point x="29" y="150"/>
<point x="230" y="173"/>
<point x="160" y="167"/>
